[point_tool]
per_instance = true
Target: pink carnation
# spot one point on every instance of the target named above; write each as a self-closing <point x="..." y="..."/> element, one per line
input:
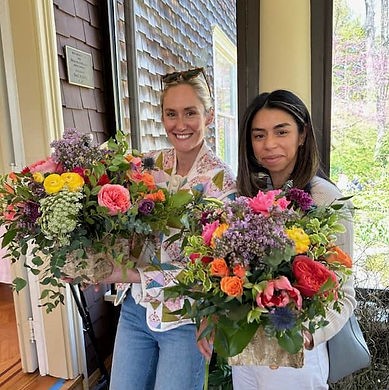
<point x="115" y="198"/>
<point x="45" y="166"/>
<point x="282" y="203"/>
<point x="278" y="293"/>
<point x="263" y="202"/>
<point x="208" y="231"/>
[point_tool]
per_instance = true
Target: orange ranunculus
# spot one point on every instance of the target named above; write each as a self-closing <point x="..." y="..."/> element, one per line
<point x="149" y="181"/>
<point x="219" y="268"/>
<point x="158" y="196"/>
<point x="337" y="255"/>
<point x="239" y="271"/>
<point x="232" y="286"/>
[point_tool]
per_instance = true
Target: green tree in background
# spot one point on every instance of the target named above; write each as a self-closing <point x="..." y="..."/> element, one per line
<point x="360" y="141"/>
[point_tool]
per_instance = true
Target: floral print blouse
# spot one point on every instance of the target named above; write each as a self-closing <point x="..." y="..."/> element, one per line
<point x="158" y="268"/>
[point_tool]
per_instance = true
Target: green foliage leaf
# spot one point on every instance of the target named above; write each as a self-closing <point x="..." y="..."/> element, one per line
<point x="8" y="237"/>
<point x="231" y="339"/>
<point x="19" y="284"/>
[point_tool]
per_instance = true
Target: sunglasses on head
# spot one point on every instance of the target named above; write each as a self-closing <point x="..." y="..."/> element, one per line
<point x="184" y="75"/>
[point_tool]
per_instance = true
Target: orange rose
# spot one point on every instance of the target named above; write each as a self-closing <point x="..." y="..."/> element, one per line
<point x="337" y="255"/>
<point x="232" y="286"/>
<point x="219" y="268"/>
<point x="239" y="271"/>
<point x="158" y="196"/>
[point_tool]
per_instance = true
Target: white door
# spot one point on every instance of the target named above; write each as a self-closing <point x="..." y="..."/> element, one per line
<point x="30" y="118"/>
<point x="12" y="158"/>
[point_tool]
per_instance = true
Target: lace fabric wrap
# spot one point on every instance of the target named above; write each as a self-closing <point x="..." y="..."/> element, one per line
<point x="265" y="351"/>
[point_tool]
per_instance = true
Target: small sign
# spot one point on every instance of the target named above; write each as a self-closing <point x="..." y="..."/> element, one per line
<point x="79" y="65"/>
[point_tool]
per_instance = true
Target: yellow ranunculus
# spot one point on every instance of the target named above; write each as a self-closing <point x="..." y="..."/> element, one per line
<point x="73" y="181"/>
<point x="38" y="177"/>
<point x="53" y="183"/>
<point x="300" y="238"/>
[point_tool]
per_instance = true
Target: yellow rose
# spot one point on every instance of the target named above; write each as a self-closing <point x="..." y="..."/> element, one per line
<point x="53" y="183"/>
<point x="38" y="177"/>
<point x="73" y="181"/>
<point x="300" y="238"/>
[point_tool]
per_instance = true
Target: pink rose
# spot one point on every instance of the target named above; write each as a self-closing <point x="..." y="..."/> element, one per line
<point x="278" y="293"/>
<point x="208" y="231"/>
<point x="115" y="198"/>
<point x="45" y="166"/>
<point x="263" y="202"/>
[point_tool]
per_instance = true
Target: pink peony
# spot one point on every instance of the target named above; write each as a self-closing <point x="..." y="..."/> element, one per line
<point x="45" y="166"/>
<point x="278" y="293"/>
<point x="208" y="231"/>
<point x="115" y="198"/>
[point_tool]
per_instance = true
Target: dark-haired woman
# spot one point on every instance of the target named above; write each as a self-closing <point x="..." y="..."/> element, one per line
<point x="276" y="144"/>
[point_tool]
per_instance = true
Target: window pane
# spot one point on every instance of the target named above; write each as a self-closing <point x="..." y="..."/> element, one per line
<point x="360" y="136"/>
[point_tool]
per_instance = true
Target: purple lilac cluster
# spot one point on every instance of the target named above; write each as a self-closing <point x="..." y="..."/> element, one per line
<point x="251" y="236"/>
<point x="76" y="150"/>
<point x="300" y="198"/>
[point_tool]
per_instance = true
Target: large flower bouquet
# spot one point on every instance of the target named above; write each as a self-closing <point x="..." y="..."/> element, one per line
<point x="83" y="200"/>
<point x="268" y="263"/>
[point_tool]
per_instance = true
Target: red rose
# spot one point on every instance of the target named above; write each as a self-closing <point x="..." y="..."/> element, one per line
<point x="310" y="275"/>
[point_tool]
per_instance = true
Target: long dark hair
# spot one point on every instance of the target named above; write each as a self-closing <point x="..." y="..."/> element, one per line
<point x="251" y="175"/>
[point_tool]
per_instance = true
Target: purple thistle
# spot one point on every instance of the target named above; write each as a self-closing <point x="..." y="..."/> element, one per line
<point x="300" y="198"/>
<point x="146" y="206"/>
<point x="282" y="318"/>
<point x="148" y="163"/>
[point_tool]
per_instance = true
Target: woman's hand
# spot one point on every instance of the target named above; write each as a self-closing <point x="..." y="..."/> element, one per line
<point x="120" y="275"/>
<point x="308" y="340"/>
<point x="205" y="344"/>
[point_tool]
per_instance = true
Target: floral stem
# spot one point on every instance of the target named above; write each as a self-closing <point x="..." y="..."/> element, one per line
<point x="206" y="377"/>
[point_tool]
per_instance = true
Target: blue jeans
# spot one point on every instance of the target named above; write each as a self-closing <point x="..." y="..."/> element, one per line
<point x="148" y="360"/>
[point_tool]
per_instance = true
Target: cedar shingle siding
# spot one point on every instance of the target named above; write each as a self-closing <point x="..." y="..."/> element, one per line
<point x="174" y="35"/>
<point x="78" y="25"/>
